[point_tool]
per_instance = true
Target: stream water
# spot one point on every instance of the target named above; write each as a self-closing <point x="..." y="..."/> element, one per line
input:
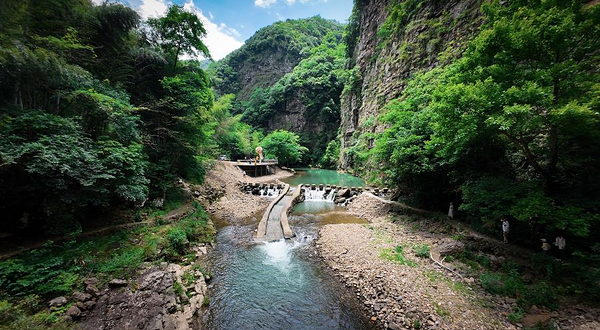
<point x="281" y="284"/>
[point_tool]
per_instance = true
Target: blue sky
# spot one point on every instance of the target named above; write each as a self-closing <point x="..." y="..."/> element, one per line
<point x="230" y="22"/>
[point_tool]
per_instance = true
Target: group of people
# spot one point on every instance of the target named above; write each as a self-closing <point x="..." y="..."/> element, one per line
<point x="559" y="242"/>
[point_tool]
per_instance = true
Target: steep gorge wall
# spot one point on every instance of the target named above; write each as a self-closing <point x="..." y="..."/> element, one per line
<point x="431" y="33"/>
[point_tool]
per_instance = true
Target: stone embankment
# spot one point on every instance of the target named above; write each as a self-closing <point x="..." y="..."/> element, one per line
<point x="164" y="296"/>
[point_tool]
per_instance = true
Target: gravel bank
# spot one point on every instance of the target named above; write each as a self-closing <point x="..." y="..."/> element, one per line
<point x="420" y="295"/>
<point x="229" y="203"/>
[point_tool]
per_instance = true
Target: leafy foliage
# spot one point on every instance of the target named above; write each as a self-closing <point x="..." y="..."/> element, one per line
<point x="314" y="86"/>
<point x="283" y="146"/>
<point x="95" y="112"/>
<point x="508" y="127"/>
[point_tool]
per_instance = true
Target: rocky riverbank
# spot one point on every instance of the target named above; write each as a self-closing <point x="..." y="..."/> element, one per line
<point x="224" y="181"/>
<point x="166" y="296"/>
<point x="402" y="288"/>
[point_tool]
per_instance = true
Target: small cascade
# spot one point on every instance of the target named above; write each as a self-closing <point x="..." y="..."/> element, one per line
<point x="321" y="195"/>
<point x="270" y="192"/>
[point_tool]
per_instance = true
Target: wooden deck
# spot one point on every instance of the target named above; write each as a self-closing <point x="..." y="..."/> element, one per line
<point x="255" y="169"/>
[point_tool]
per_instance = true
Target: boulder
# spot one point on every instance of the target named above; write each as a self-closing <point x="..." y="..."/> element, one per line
<point x="58" y="302"/>
<point x="89" y="304"/>
<point x="339" y="200"/>
<point x="90" y="281"/>
<point x="74" y="312"/>
<point x="450" y="247"/>
<point x="80" y="296"/>
<point x="344" y="193"/>
<point x="117" y="282"/>
<point x="93" y="290"/>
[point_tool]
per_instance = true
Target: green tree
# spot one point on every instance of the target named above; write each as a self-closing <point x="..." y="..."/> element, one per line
<point x="179" y="33"/>
<point x="510" y="124"/>
<point x="284" y="146"/>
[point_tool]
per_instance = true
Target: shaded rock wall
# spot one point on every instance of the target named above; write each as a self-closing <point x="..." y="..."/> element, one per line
<point x="434" y="33"/>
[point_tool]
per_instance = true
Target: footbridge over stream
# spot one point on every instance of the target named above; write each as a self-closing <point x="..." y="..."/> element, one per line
<point x="274" y="224"/>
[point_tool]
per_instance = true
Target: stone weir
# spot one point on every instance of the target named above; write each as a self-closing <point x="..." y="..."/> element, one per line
<point x="339" y="194"/>
<point x="274" y="224"/>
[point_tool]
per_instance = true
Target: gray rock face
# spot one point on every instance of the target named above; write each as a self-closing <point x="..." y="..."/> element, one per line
<point x="151" y="304"/>
<point x="386" y="67"/>
<point x="58" y="302"/>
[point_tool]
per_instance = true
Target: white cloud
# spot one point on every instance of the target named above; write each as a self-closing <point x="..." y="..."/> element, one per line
<point x="269" y="3"/>
<point x="152" y="8"/>
<point x="220" y="39"/>
<point x="264" y="3"/>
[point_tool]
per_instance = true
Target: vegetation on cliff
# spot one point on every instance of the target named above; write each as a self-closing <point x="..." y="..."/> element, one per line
<point x="269" y="54"/>
<point x="313" y="89"/>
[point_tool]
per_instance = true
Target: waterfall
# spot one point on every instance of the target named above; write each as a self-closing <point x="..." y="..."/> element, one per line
<point x="325" y="195"/>
<point x="269" y="192"/>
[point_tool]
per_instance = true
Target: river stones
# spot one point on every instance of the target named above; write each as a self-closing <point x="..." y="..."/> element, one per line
<point x="117" y="282"/>
<point x="58" y="302"/>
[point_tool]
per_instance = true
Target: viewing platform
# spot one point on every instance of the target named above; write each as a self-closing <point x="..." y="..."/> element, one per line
<point x="255" y="169"/>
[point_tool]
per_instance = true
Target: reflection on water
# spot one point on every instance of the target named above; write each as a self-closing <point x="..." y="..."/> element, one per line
<point x="317" y="176"/>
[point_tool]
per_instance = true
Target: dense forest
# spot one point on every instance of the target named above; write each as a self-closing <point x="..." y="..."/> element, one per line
<point x="508" y="129"/>
<point x="100" y="117"/>
<point x="98" y="111"/>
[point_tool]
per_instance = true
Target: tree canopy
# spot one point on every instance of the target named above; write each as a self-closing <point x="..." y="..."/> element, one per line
<point x="510" y="127"/>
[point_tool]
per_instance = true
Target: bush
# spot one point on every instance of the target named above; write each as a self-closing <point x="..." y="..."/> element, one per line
<point x="421" y="250"/>
<point x="492" y="283"/>
<point x="177" y="238"/>
<point x="539" y="294"/>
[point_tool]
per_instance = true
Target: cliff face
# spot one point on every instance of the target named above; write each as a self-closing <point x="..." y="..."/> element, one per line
<point x="268" y="55"/>
<point x="397" y="39"/>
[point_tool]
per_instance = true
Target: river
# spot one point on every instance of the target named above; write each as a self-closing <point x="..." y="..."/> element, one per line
<point x="282" y="284"/>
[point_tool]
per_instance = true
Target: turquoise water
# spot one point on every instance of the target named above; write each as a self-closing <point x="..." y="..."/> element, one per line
<point x="281" y="285"/>
<point x="276" y="286"/>
<point x="317" y="176"/>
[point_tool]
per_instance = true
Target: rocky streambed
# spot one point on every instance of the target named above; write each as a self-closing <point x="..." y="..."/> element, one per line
<point x="412" y="292"/>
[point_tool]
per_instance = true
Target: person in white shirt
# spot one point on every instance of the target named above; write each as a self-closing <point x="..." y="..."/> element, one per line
<point x="560" y="244"/>
<point x="451" y="211"/>
<point x="505" y="229"/>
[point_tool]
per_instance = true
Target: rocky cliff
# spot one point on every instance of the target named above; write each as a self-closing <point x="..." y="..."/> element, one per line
<point x="268" y="55"/>
<point x="392" y="41"/>
<point x="289" y="76"/>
